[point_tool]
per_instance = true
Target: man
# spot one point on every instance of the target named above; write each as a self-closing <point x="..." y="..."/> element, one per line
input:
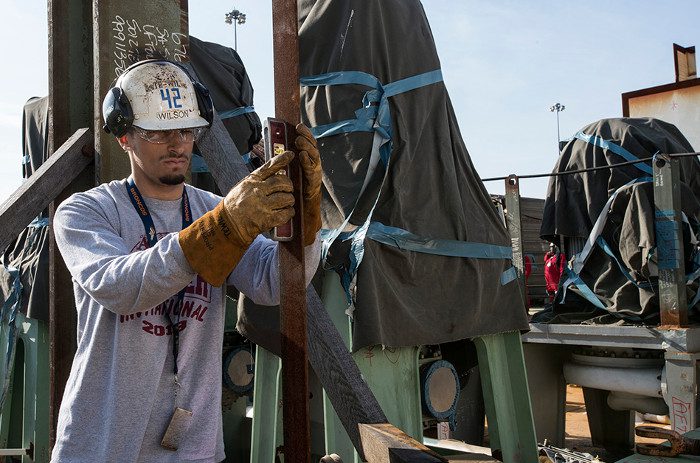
<point x="554" y="263"/>
<point x="149" y="257"/>
<point x="527" y="264"/>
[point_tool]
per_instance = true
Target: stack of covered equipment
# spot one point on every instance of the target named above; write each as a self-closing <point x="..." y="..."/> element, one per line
<point x="221" y="70"/>
<point x="421" y="251"/>
<point x="24" y="273"/>
<point x="615" y="279"/>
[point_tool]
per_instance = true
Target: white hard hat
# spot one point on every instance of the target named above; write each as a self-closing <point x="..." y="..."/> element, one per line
<point x="162" y="96"/>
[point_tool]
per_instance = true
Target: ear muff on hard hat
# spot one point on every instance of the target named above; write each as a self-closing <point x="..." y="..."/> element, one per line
<point x="156" y="95"/>
<point x="206" y="105"/>
<point x="117" y="112"/>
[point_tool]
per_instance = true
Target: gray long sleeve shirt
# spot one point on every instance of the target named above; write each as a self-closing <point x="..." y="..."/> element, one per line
<point x="121" y="391"/>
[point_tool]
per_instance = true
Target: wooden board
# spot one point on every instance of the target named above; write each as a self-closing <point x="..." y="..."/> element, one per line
<point x="35" y="194"/>
<point x="384" y="443"/>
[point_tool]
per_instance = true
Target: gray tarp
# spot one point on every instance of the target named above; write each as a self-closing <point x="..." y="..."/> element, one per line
<point x="221" y="70"/>
<point x="29" y="253"/>
<point x="432" y="190"/>
<point x="574" y="202"/>
<point x="35" y="133"/>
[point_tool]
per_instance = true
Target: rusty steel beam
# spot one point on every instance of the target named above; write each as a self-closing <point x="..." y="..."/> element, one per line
<point x="515" y="228"/>
<point x="295" y="378"/>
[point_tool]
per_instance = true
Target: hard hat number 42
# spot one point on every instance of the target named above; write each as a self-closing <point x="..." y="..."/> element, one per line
<point x="171" y="95"/>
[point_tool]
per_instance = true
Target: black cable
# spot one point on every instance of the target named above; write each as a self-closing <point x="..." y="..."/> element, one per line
<point x="684" y="155"/>
<point x="591" y="169"/>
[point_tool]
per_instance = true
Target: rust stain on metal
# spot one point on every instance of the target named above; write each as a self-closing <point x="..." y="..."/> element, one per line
<point x="286" y="56"/>
<point x="680" y="445"/>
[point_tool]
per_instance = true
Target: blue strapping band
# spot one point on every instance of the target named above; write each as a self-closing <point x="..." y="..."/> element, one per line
<point x="199" y="165"/>
<point x="580" y="258"/>
<point x="666" y="213"/>
<point x="39" y="222"/>
<point x="605" y="247"/>
<point x="509" y="275"/>
<point x="412" y="83"/>
<point x="347" y="126"/>
<point x="695" y="300"/>
<point x="666" y="239"/>
<point x="692" y="276"/>
<point x="573" y="278"/>
<point x="228" y="114"/>
<point x="373" y="116"/>
<point x="341" y="78"/>
<point x="617" y="149"/>
<point x="407" y="241"/>
<point x="689" y="278"/>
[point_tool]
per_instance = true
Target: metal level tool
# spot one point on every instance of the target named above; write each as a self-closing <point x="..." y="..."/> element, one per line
<point x="277" y="134"/>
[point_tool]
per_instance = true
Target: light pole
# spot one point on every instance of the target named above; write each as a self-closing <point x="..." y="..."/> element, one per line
<point x="557" y="107"/>
<point x="235" y="17"/>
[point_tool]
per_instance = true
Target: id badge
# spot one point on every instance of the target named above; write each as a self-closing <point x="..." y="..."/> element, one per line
<point x="177" y="428"/>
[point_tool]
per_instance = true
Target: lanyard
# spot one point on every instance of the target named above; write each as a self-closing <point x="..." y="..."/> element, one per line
<point x="152" y="237"/>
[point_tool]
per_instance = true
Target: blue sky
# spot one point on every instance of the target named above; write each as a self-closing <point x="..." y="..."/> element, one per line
<point x="504" y="64"/>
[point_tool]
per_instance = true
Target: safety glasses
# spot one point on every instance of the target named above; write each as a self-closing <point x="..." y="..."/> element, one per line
<point x="160" y="137"/>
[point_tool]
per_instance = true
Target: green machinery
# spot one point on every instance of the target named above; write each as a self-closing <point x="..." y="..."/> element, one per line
<point x="24" y="418"/>
<point x="393" y="376"/>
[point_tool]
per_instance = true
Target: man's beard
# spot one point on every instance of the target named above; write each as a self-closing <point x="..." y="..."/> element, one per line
<point x="172" y="179"/>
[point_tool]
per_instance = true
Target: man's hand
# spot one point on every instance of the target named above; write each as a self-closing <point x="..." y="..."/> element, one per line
<point x="312" y="179"/>
<point x="262" y="200"/>
<point x="215" y="243"/>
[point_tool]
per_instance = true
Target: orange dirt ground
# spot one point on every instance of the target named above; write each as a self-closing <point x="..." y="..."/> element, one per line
<point x="578" y="436"/>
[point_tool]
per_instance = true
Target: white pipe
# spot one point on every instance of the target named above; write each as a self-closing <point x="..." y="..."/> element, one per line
<point x="622" y="401"/>
<point x="661" y="419"/>
<point x="640" y="381"/>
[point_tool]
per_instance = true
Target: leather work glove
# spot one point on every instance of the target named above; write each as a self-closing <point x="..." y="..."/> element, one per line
<point x="216" y="242"/>
<point x="312" y="178"/>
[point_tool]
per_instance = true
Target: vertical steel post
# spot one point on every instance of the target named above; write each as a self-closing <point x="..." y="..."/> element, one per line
<point x="667" y="210"/>
<point x="515" y="227"/>
<point x="70" y="108"/>
<point x="295" y="385"/>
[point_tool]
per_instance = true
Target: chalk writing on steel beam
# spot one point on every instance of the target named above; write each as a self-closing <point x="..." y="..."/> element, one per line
<point x="135" y="42"/>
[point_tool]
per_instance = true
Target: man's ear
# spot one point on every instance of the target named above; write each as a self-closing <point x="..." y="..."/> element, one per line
<point x="124" y="142"/>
